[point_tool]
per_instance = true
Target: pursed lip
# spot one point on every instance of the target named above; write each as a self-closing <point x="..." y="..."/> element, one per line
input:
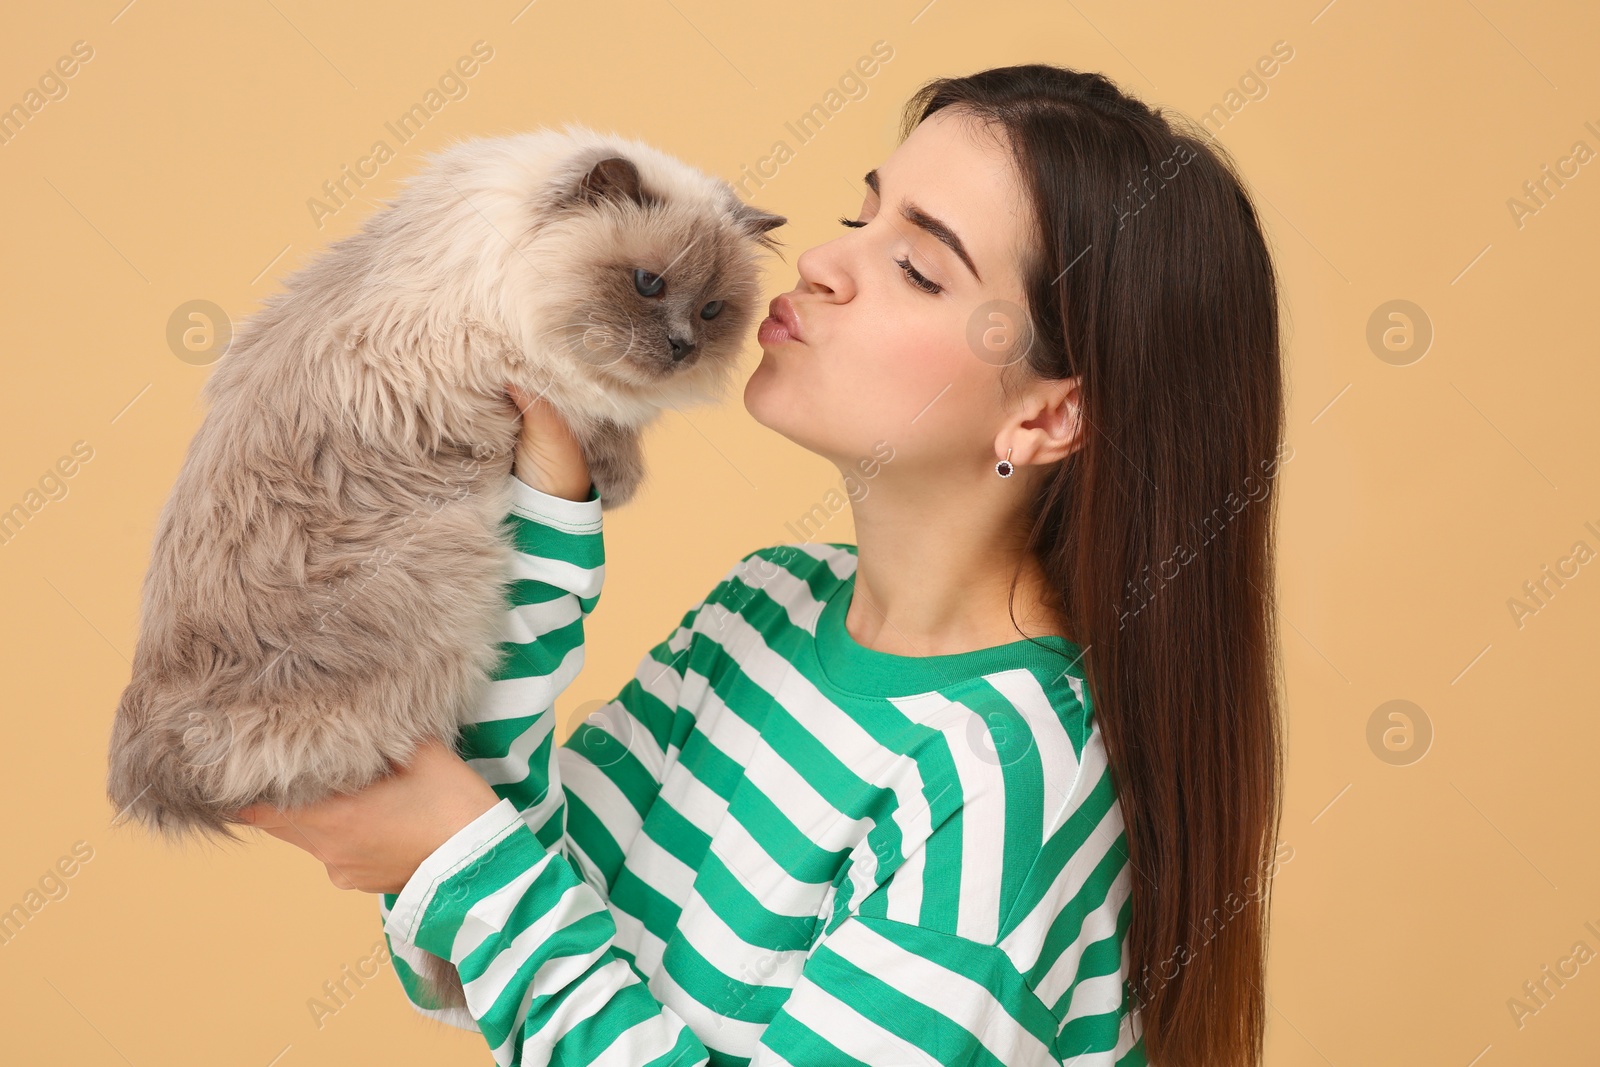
<point x="782" y="309"/>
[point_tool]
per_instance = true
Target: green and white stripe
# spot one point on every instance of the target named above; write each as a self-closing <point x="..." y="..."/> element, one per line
<point x="776" y="846"/>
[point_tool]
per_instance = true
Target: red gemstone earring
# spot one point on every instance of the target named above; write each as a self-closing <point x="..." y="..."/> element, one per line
<point x="1004" y="467"/>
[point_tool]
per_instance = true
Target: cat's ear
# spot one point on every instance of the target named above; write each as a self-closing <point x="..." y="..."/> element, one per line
<point x="613" y="178"/>
<point x="754" y="223"/>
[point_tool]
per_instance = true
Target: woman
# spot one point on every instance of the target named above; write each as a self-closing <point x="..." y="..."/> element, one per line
<point x="996" y="784"/>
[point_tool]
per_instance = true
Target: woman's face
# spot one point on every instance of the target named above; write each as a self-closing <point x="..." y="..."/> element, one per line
<point x="913" y="360"/>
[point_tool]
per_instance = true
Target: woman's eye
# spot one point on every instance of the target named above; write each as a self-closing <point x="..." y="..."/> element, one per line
<point x="711" y="309"/>
<point x="917" y="279"/>
<point x="911" y="272"/>
<point x="648" y="284"/>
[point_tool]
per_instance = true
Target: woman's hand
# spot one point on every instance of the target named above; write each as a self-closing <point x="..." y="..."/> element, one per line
<point x="374" y="840"/>
<point x="548" y="456"/>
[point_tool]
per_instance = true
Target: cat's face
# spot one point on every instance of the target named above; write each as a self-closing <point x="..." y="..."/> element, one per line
<point x="653" y="287"/>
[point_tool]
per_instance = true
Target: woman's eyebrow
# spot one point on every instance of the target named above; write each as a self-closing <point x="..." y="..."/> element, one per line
<point x="924" y="221"/>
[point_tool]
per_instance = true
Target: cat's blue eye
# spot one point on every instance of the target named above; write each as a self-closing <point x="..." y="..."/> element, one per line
<point x="711" y="309"/>
<point x="648" y="284"/>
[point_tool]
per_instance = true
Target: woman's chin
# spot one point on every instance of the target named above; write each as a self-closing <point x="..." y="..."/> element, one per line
<point x="758" y="390"/>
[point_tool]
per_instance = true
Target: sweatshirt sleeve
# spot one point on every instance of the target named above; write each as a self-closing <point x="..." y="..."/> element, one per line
<point x="586" y="798"/>
<point x="533" y="943"/>
<point x="557" y="566"/>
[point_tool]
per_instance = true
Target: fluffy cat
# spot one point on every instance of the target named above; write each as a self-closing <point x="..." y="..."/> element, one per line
<point x="326" y="579"/>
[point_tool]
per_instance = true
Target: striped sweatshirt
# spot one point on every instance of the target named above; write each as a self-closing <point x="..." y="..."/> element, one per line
<point x="776" y="846"/>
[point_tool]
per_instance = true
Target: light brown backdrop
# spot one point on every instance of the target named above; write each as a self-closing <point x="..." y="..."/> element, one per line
<point x="1386" y="155"/>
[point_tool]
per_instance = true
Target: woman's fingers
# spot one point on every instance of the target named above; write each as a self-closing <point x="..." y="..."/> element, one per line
<point x="271" y="820"/>
<point x="259" y="815"/>
<point x="548" y="455"/>
<point x="521" y="398"/>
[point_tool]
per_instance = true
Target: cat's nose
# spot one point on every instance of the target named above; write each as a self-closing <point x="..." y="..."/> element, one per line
<point x="680" y="347"/>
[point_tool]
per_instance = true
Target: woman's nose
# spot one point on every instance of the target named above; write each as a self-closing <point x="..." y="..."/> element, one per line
<point x="824" y="270"/>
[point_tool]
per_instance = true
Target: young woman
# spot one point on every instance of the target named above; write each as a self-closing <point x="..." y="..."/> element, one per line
<point x="997" y="784"/>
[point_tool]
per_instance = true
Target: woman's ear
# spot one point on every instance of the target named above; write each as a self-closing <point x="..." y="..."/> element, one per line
<point x="1048" y="425"/>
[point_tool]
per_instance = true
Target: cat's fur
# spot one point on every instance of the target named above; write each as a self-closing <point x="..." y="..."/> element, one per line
<point x="326" y="581"/>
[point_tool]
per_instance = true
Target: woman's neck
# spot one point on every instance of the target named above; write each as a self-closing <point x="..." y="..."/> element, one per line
<point x="934" y="578"/>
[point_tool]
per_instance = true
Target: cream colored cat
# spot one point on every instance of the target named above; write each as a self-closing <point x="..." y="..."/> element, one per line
<point x="326" y="580"/>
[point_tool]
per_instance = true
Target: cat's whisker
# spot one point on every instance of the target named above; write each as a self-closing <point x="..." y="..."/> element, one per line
<point x="592" y="337"/>
<point x="595" y="337"/>
<point x="567" y="325"/>
<point x="627" y="349"/>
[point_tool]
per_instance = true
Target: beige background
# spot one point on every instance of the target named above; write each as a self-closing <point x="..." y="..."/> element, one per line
<point x="1384" y="155"/>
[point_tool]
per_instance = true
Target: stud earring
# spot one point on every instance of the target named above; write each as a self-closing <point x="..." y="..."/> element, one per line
<point x="1004" y="467"/>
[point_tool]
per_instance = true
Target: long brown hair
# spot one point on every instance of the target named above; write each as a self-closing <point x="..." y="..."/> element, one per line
<point x="1149" y="278"/>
